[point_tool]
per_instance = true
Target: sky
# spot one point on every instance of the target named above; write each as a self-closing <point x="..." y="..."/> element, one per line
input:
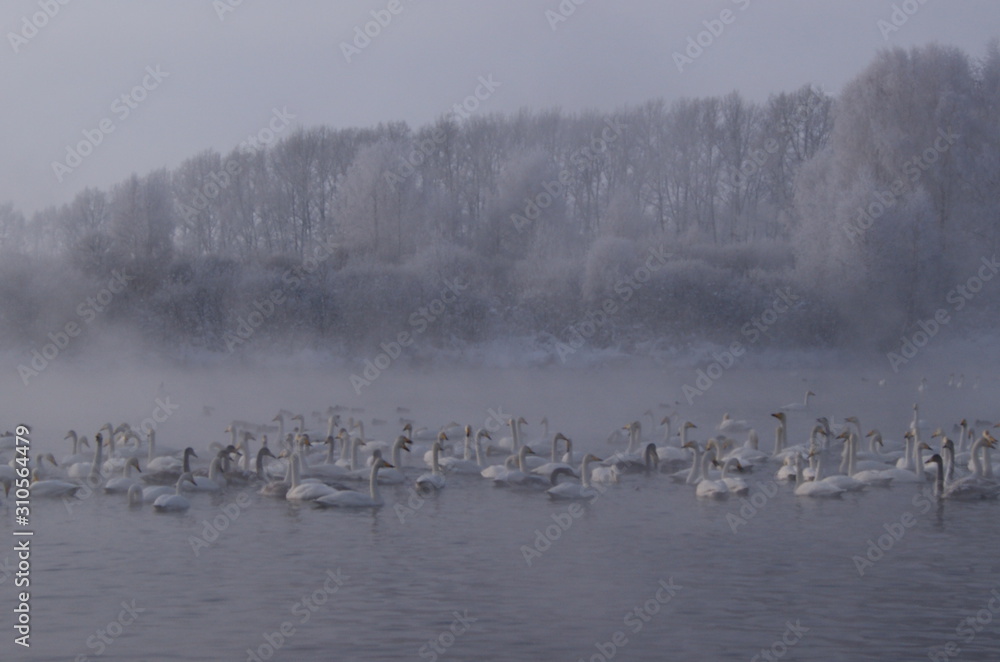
<point x="95" y="91"/>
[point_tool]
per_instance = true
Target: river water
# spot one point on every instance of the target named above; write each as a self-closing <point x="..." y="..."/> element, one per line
<point x="646" y="571"/>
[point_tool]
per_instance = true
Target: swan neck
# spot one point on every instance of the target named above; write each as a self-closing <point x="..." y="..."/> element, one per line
<point x="373" y="482"/>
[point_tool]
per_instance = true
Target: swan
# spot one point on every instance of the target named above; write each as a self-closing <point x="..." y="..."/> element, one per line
<point x="519" y="476"/>
<point x="77" y="456"/>
<point x="329" y="470"/>
<point x="963" y="489"/>
<point x="581" y="490"/>
<point x="736" y="485"/>
<point x="302" y="491"/>
<point x="870" y="477"/>
<point x="875" y="445"/>
<point x="780" y="436"/>
<point x="124" y="482"/>
<point x="513" y="442"/>
<point x="457" y="466"/>
<point x="731" y="425"/>
<point x="604" y="474"/>
<point x="690" y="476"/>
<point x="707" y="487"/>
<point x="846" y="482"/>
<point x="669" y="453"/>
<point x="429" y="455"/>
<point x="547" y="468"/>
<point x="393" y="475"/>
<point x="214" y="481"/>
<point x="435" y="479"/>
<point x="749" y="454"/>
<point x="176" y="502"/>
<point x="51" y="488"/>
<point x="351" y="499"/>
<point x="814" y="488"/>
<point x="798" y="406"/>
<point x="167" y="469"/>
<point x="259" y="464"/>
<point x="84" y="470"/>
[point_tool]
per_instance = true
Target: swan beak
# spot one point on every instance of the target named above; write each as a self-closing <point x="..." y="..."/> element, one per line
<point x="487" y="435"/>
<point x="388" y="465"/>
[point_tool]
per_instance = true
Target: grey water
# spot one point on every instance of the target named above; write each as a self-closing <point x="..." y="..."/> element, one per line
<point x="646" y="571"/>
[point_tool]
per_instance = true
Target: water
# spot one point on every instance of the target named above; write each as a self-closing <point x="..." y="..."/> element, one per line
<point x="452" y="573"/>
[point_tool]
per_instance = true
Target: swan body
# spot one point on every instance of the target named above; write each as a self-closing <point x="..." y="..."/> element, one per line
<point x="299" y="490"/>
<point x="733" y="426"/>
<point x="435" y="479"/>
<point x="459" y="466"/>
<point x="124" y="482"/>
<point x="351" y="499"/>
<point x="814" y="488"/>
<point x="798" y="406"/>
<point x="576" y="491"/>
<point x="707" y="487"/>
<point x="52" y="488"/>
<point x="175" y="502"/>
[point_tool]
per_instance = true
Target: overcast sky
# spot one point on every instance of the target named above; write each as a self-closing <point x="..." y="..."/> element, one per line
<point x="221" y="76"/>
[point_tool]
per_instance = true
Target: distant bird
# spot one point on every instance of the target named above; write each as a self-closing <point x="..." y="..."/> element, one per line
<point x="732" y="425"/>
<point x="798" y="406"/>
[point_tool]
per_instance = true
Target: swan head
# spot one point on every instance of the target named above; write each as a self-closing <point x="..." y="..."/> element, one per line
<point x="483" y="433"/>
<point x="561" y="437"/>
<point x="521" y="421"/>
<point x="526" y="450"/>
<point x="381" y="463"/>
<point x="935" y="459"/>
<point x="689" y="425"/>
<point x="99" y="439"/>
<point x="190" y="451"/>
<point x="468" y="430"/>
<point x="186" y="478"/>
<point x="442" y="436"/>
<point x="849" y="419"/>
<point x="133" y="462"/>
<point x="947" y="443"/>
<point x="70" y="435"/>
<point x="408" y="428"/>
<point x="305" y="441"/>
<point x="664" y="420"/>
<point x="780" y="416"/>
<point x="265" y="452"/>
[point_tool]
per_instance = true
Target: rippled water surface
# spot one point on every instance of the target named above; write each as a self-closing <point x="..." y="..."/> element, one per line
<point x="396" y="583"/>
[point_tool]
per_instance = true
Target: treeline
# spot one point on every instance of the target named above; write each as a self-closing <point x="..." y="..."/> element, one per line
<point x="866" y="208"/>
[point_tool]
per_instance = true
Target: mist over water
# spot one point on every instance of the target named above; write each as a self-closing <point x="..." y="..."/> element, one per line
<point x="655" y="266"/>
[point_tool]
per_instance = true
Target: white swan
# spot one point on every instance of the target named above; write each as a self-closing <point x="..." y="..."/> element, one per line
<point x="351" y="499"/>
<point x="798" y="406"/>
<point x="124" y="482"/>
<point x="707" y="487"/>
<point x="84" y="470"/>
<point x="176" y="502"/>
<point x="435" y="479"/>
<point x="76" y="456"/>
<point x="814" y="488"/>
<point x="736" y="485"/>
<point x="519" y="476"/>
<point x="965" y="489"/>
<point x="393" y="475"/>
<point x="870" y="477"/>
<point x="547" y="468"/>
<point x="302" y="491"/>
<point x="581" y="490"/>
<point x="732" y="426"/>
<point x="669" y="453"/>
<point x="51" y="488"/>
<point x="457" y="466"/>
